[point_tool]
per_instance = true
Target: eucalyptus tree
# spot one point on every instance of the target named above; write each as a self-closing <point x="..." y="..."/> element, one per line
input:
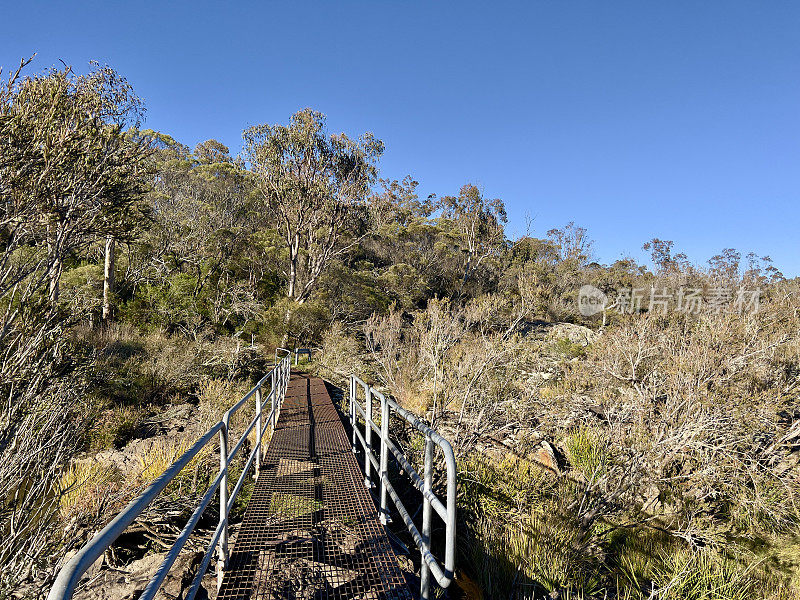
<point x="69" y="176"/>
<point x="478" y="226"/>
<point x="198" y="265"/>
<point x="314" y="187"/>
<point x="66" y="150"/>
<point x="398" y="205"/>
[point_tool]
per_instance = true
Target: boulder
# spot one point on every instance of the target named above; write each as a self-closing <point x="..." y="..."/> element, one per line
<point x="129" y="582"/>
<point x="546" y="457"/>
<point x="577" y="334"/>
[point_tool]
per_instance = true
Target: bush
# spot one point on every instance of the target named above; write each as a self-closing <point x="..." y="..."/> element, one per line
<point x="340" y="352"/>
<point x="83" y="487"/>
<point x="116" y="427"/>
<point x="292" y="325"/>
<point x="587" y="453"/>
<point x="701" y="575"/>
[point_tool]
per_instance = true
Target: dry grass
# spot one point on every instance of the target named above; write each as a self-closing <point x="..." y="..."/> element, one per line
<point x="84" y="486"/>
<point x="673" y="428"/>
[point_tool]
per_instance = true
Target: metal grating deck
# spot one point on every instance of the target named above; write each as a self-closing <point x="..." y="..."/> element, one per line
<point x="311" y="529"/>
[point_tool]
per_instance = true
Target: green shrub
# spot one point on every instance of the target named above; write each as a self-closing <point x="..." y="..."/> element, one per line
<point x="116" y="428"/>
<point x="83" y="486"/>
<point x="587" y="453"/>
<point x="702" y="575"/>
<point x="564" y="347"/>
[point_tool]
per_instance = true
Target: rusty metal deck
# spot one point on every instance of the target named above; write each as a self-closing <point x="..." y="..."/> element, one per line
<point x="311" y="529"/>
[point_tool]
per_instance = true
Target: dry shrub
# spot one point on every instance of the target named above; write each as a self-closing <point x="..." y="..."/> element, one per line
<point x="698" y="398"/>
<point x="216" y="396"/>
<point x="84" y="486"/>
<point x="450" y="362"/>
<point x="171" y="363"/>
<point x="340" y="354"/>
<point x="137" y="368"/>
<point x="675" y="428"/>
<point x="116" y="427"/>
<point x="159" y="456"/>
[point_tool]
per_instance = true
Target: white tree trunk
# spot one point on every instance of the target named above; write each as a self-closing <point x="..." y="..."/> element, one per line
<point x="108" y="278"/>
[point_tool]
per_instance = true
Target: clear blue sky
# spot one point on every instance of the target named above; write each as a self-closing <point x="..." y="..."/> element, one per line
<point x="635" y="119"/>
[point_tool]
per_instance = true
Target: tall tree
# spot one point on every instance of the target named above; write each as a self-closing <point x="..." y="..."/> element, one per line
<point x="81" y="169"/>
<point x="572" y="242"/>
<point x="212" y="151"/>
<point x="315" y="186"/>
<point x="398" y="204"/>
<point x="478" y="223"/>
<point x="68" y="176"/>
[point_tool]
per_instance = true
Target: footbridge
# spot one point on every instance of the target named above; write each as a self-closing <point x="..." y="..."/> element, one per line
<point x="315" y="523"/>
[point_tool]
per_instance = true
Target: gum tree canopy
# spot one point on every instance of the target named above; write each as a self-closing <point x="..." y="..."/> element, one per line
<point x="66" y="156"/>
<point x="71" y="173"/>
<point x="314" y="187"/>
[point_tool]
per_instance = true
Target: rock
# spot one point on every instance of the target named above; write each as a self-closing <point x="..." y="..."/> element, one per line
<point x="652" y="501"/>
<point x="577" y="334"/>
<point x="546" y="457"/>
<point x="176" y="418"/>
<point x="129" y="582"/>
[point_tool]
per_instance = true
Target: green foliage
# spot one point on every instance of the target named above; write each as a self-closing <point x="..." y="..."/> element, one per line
<point x="301" y="324"/>
<point x="564" y="347"/>
<point x="115" y="428"/>
<point x="587" y="452"/>
<point x="82" y="289"/>
<point x="316" y="185"/>
<point x="171" y="305"/>
<point x="525" y="533"/>
<point x="702" y="575"/>
<point x="82" y="485"/>
<point x="520" y="536"/>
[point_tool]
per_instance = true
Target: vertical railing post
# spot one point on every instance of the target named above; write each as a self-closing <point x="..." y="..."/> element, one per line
<point x="287" y="373"/>
<point x="353" y="414"/>
<point x="425" y="571"/>
<point x="258" y="432"/>
<point x="274" y="394"/>
<point x="222" y="559"/>
<point x="384" y="462"/>
<point x="272" y="410"/>
<point x="279" y="389"/>
<point x="368" y="437"/>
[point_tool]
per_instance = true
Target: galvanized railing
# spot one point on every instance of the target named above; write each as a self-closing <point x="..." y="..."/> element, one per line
<point x="305" y="351"/>
<point x="380" y="463"/>
<point x="69" y="576"/>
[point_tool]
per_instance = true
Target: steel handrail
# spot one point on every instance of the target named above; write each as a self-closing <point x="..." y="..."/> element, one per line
<point x="446" y="511"/>
<point x="304" y="351"/>
<point x="285" y="350"/>
<point x="70" y="574"/>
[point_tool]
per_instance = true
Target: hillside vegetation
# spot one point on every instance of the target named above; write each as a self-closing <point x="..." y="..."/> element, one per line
<point x="650" y="450"/>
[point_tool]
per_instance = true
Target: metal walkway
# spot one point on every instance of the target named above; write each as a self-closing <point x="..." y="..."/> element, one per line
<point x="311" y="529"/>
